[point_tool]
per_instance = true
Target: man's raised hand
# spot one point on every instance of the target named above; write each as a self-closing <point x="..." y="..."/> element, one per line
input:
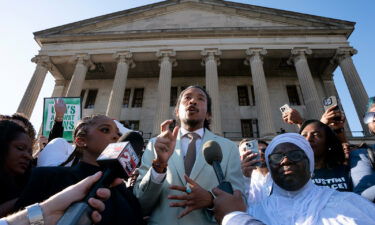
<point x="165" y="142"/>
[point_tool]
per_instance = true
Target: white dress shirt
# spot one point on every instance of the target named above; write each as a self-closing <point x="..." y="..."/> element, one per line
<point x="185" y="140"/>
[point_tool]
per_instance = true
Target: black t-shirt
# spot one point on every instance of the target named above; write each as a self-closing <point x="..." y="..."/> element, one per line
<point x="337" y="178"/>
<point x="121" y="208"/>
<point x="12" y="187"/>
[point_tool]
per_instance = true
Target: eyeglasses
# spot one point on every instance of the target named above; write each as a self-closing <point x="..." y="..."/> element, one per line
<point x="369" y="117"/>
<point x="295" y="156"/>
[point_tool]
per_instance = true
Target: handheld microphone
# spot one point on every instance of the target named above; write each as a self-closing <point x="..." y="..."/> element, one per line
<point x="117" y="160"/>
<point x="213" y="155"/>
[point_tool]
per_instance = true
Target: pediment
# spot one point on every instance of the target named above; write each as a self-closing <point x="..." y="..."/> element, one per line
<point x="189" y="19"/>
<point x="191" y="16"/>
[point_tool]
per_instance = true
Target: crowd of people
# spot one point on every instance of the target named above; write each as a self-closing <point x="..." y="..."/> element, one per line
<point x="314" y="176"/>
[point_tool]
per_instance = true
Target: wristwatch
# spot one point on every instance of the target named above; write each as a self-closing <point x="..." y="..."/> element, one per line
<point x="35" y="214"/>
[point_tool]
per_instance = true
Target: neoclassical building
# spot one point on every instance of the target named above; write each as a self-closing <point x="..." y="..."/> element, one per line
<point x="132" y="64"/>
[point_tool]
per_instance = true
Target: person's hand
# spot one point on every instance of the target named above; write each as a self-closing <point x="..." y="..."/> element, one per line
<point x="42" y="141"/>
<point x="331" y="115"/>
<point x="225" y="203"/>
<point x="54" y="207"/>
<point x="198" y="198"/>
<point x="248" y="162"/>
<point x="292" y="117"/>
<point x="60" y="109"/>
<point x="165" y="142"/>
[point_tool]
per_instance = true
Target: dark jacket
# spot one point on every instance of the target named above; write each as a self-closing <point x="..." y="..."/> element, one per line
<point x="121" y="208"/>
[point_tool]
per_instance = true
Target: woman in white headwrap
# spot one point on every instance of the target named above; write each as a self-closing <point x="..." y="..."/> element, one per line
<point x="295" y="199"/>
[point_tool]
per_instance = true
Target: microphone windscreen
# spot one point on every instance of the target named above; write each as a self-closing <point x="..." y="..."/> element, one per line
<point x="212" y="152"/>
<point x="135" y="139"/>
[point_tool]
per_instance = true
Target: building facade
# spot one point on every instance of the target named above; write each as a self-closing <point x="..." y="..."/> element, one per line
<point x="132" y="64"/>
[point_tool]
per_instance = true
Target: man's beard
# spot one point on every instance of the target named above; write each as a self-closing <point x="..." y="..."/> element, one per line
<point x="192" y="123"/>
<point x="189" y="122"/>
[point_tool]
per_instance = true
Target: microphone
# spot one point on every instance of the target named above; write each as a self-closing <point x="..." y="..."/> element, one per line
<point x="213" y="155"/>
<point x="117" y="160"/>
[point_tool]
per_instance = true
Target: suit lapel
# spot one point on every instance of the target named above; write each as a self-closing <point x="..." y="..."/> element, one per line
<point x="178" y="159"/>
<point x="200" y="161"/>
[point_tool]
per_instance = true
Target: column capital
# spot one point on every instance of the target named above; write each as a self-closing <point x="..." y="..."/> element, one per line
<point x="84" y="59"/>
<point x="298" y="53"/>
<point x="254" y="52"/>
<point x="211" y="54"/>
<point x="167" y="55"/>
<point x="59" y="82"/>
<point x="343" y="53"/>
<point x="42" y="60"/>
<point x="124" y="57"/>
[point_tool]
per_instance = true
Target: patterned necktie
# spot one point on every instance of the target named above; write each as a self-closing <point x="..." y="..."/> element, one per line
<point x="191" y="153"/>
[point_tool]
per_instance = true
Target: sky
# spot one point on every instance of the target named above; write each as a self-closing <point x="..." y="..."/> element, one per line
<point x="19" y="19"/>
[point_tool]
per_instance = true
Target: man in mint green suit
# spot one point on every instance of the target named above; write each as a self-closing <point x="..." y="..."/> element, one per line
<point x="163" y="188"/>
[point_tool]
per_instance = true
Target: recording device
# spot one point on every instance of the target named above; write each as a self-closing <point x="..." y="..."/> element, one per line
<point x="329" y="102"/>
<point x="213" y="155"/>
<point x="253" y="146"/>
<point x="117" y="160"/>
<point x="285" y="108"/>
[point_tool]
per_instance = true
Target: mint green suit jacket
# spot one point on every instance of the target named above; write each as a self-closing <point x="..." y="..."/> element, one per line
<point x="153" y="197"/>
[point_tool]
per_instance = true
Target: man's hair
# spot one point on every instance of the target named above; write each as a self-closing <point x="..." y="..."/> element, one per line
<point x="334" y="152"/>
<point x="263" y="142"/>
<point x="207" y="122"/>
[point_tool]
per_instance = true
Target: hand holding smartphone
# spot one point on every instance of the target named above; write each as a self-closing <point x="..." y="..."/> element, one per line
<point x="253" y="146"/>
<point x="329" y="102"/>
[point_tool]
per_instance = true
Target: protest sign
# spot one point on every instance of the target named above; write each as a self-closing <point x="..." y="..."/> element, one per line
<point x="71" y="116"/>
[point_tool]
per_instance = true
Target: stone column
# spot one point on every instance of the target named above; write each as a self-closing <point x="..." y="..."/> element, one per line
<point x="166" y="61"/>
<point x="78" y="77"/>
<point x="353" y="81"/>
<point x="124" y="61"/>
<point x="211" y="61"/>
<point x="28" y="101"/>
<point x="58" y="89"/>
<point x="314" y="107"/>
<point x="262" y="99"/>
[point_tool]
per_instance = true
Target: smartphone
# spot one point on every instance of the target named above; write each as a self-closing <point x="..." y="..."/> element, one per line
<point x="285" y="108"/>
<point x="253" y="146"/>
<point x="329" y="102"/>
<point x="172" y="125"/>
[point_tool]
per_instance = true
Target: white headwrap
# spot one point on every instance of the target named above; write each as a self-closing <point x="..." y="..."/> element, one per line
<point x="293" y="138"/>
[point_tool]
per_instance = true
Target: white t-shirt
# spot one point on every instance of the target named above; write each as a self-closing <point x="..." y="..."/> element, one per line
<point x="55" y="153"/>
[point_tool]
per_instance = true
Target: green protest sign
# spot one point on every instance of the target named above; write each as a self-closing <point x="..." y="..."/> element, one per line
<point x="71" y="116"/>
